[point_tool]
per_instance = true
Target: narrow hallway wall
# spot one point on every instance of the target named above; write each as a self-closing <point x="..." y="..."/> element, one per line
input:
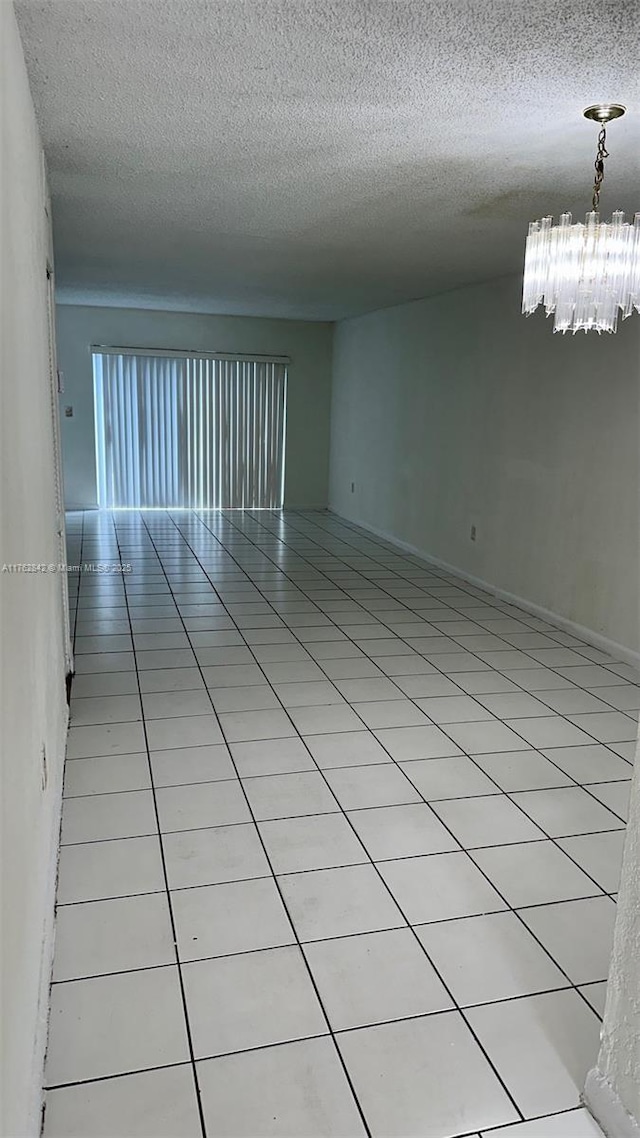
<point x="33" y="714"/>
<point x="613" y="1087"/>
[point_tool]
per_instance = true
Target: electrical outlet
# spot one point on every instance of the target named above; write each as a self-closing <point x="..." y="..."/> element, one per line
<point x="472" y="535"/>
<point x="68" y="412"/>
<point x="353" y="487"/>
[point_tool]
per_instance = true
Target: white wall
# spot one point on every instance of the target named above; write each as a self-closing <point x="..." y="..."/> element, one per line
<point x="457" y="410"/>
<point x="613" y="1087"/>
<point x="309" y="388"/>
<point x="33" y="709"/>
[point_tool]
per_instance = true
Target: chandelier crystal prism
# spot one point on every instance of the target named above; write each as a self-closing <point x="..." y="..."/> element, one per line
<point x="586" y="275"/>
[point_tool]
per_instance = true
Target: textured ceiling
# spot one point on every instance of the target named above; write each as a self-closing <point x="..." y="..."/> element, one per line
<point x="319" y="158"/>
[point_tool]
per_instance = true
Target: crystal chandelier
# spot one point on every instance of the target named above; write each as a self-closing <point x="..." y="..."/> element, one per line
<point x="585" y="274"/>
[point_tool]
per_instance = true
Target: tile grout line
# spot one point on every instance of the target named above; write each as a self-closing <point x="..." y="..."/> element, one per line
<point x="340" y="811"/>
<point x="319" y="663"/>
<point x="178" y="962"/>
<point x="231" y="524"/>
<point x="291" y="923"/>
<point x="485" y="875"/>
<point x="395" y="902"/>
<point x="442" y="727"/>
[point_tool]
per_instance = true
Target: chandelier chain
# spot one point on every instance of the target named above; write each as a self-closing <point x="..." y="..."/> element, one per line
<point x="599" y="167"/>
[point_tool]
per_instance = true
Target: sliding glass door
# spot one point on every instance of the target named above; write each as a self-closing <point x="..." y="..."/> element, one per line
<point x="189" y="431"/>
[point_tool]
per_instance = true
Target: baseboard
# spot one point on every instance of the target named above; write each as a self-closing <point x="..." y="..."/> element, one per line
<point x="628" y="655"/>
<point x="607" y="1108"/>
<point x="91" y="507"/>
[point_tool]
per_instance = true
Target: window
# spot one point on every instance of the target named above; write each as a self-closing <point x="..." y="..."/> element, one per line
<point x="176" y="430"/>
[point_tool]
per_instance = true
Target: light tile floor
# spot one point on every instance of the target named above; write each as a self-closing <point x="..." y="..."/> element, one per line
<point x="340" y="842"/>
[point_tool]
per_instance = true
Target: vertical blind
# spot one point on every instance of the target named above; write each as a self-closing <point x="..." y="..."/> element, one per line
<point x="189" y="431"/>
